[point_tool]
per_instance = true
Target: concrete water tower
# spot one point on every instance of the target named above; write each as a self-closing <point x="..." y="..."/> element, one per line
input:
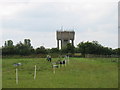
<point x="65" y="37"/>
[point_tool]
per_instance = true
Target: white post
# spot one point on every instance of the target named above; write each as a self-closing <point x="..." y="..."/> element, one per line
<point x="16" y="76"/>
<point x="35" y="73"/>
<point x="59" y="65"/>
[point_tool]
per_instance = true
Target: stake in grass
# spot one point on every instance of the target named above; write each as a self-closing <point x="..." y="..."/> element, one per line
<point x="54" y="66"/>
<point x="35" y="73"/>
<point x="16" y="76"/>
<point x="59" y="65"/>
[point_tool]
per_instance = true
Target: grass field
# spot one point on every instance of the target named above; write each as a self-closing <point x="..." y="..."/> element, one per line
<point x="79" y="73"/>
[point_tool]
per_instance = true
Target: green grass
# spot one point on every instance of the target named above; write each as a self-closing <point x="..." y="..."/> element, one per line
<point x="79" y="73"/>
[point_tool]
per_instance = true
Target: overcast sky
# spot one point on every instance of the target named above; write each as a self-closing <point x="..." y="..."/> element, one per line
<point x="38" y="21"/>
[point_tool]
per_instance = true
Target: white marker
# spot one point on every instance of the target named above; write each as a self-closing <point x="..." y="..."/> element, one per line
<point x="16" y="76"/>
<point x="59" y="65"/>
<point x="35" y="73"/>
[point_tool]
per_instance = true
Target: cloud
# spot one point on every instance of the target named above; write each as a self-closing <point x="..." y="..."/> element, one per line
<point x="104" y="38"/>
<point x="39" y="21"/>
<point x="46" y="39"/>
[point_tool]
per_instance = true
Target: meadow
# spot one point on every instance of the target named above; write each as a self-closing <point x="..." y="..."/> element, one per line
<point x="79" y="73"/>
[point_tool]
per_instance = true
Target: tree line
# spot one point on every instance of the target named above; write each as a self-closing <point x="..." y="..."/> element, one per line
<point x="25" y="48"/>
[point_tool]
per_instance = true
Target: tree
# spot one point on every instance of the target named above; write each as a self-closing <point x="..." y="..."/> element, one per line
<point x="93" y="48"/>
<point x="8" y="48"/>
<point x="8" y="43"/>
<point x="81" y="48"/>
<point x="24" y="48"/>
<point x="54" y="50"/>
<point x="27" y="42"/>
<point x="77" y="50"/>
<point x="41" y="50"/>
<point x="69" y="48"/>
<point x="116" y="51"/>
<point x="48" y="50"/>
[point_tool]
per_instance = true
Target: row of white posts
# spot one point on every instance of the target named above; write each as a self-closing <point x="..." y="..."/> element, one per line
<point x="17" y="75"/>
<point x="35" y="71"/>
<point x="62" y="64"/>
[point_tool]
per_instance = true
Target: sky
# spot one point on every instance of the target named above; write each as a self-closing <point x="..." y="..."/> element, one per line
<point x="38" y="20"/>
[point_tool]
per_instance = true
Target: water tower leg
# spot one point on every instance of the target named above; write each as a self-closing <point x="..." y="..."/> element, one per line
<point x="58" y="44"/>
<point x="73" y="42"/>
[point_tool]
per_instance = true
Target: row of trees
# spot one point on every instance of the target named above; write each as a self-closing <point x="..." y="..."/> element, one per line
<point x="19" y="49"/>
<point x="25" y="48"/>
<point x="95" y="48"/>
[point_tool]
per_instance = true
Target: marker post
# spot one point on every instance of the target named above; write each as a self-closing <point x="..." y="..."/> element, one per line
<point x="16" y="76"/>
<point x="35" y="73"/>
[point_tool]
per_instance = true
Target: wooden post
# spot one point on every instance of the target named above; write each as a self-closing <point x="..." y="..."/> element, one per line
<point x="16" y="76"/>
<point x="35" y="73"/>
<point x="59" y="65"/>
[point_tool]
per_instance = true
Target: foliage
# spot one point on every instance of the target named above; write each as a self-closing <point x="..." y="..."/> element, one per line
<point x="54" y="50"/>
<point x="8" y="43"/>
<point x="41" y="50"/>
<point x="25" y="48"/>
<point x="9" y="50"/>
<point x="93" y="48"/>
<point x="116" y="51"/>
<point x="69" y="48"/>
<point x="19" y="49"/>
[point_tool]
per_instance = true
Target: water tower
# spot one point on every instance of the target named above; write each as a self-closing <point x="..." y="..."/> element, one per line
<point x="64" y="37"/>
